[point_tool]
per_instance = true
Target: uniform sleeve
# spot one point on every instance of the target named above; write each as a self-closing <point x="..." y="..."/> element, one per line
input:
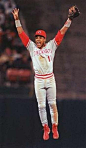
<point x="24" y="38"/>
<point x="58" y="38"/>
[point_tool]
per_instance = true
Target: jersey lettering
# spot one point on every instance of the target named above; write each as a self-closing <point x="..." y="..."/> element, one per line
<point x="39" y="52"/>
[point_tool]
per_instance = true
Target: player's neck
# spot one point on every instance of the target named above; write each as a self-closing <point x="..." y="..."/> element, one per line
<point x="42" y="46"/>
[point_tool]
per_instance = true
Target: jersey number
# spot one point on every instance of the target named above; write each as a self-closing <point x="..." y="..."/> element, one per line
<point x="49" y="58"/>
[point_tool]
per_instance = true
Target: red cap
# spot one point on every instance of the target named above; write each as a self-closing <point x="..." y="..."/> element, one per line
<point x="41" y="33"/>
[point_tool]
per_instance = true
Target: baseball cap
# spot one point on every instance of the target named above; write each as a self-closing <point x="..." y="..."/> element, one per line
<point x="41" y="33"/>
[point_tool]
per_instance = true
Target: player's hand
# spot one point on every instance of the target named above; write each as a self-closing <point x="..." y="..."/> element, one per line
<point x="15" y="13"/>
<point x="73" y="12"/>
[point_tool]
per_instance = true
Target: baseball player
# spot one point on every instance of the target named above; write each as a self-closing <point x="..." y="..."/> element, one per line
<point x="42" y="55"/>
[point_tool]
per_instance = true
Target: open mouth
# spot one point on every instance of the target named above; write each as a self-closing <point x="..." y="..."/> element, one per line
<point x="38" y="43"/>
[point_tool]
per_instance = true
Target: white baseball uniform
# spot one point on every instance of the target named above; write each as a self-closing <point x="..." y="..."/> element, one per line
<point x="45" y="85"/>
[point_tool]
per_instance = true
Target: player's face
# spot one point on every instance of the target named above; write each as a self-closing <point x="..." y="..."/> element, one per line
<point x="40" y="41"/>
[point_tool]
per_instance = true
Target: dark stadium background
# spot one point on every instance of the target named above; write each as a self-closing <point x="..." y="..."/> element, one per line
<point x="20" y="126"/>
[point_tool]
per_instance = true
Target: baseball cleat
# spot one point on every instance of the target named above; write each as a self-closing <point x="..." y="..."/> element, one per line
<point x="46" y="132"/>
<point x="55" y="131"/>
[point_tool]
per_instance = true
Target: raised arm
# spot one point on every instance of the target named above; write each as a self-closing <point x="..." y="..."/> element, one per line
<point x="73" y="12"/>
<point x="23" y="36"/>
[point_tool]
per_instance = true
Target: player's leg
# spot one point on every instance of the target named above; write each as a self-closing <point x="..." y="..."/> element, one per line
<point x="40" y="92"/>
<point x="41" y="100"/>
<point x="51" y="97"/>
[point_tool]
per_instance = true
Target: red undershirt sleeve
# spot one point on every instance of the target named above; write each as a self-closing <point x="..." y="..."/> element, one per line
<point x="59" y="37"/>
<point x="24" y="38"/>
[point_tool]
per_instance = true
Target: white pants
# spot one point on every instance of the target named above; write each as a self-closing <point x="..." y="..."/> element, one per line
<point x="46" y="88"/>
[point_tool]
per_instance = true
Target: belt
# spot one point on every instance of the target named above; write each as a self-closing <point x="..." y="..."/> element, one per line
<point x="44" y="76"/>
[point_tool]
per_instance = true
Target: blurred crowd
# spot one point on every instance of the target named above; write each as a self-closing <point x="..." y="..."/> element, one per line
<point x="13" y="55"/>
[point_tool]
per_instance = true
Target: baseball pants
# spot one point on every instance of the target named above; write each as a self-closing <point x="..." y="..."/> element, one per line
<point x="46" y="89"/>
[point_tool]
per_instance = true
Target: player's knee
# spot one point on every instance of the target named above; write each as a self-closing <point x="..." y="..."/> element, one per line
<point x="42" y="109"/>
<point x="52" y="102"/>
<point x="53" y="105"/>
<point x="53" y="108"/>
<point x="41" y="105"/>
